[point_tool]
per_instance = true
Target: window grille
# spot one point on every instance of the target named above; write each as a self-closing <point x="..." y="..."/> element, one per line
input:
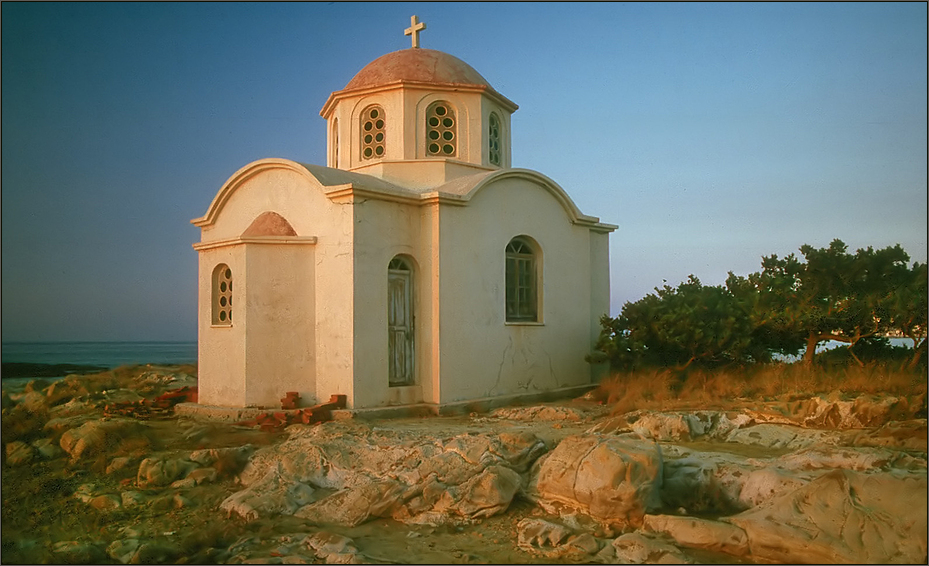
<point x="441" y="130"/>
<point x="373" y="133"/>
<point x="222" y="295"/>
<point x="493" y="140"/>
<point x="521" y="282"/>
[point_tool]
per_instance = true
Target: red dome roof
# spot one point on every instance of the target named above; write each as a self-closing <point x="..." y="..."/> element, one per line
<point x="416" y="65"/>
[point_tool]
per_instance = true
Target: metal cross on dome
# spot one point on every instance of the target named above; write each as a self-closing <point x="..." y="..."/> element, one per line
<point x="414" y="29"/>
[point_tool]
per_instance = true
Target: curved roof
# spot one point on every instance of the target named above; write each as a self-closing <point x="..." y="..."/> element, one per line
<point x="416" y="65"/>
<point x="337" y="183"/>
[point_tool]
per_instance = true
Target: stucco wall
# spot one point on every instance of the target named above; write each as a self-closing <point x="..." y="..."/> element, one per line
<point x="599" y="294"/>
<point x="298" y="198"/>
<point x="481" y="354"/>
<point x="221" y="348"/>
<point x="384" y="230"/>
<point x="280" y="337"/>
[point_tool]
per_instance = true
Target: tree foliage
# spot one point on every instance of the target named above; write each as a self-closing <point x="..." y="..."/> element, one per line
<point x="791" y="305"/>
<point x="677" y="327"/>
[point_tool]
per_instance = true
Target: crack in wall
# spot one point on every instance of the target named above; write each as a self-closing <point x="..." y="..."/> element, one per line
<point x="500" y="369"/>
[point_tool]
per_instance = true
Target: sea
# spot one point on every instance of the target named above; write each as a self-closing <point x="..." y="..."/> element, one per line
<point x="115" y="354"/>
<point x="106" y="354"/>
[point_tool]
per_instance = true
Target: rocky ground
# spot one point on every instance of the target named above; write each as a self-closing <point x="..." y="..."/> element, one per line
<point x="825" y="479"/>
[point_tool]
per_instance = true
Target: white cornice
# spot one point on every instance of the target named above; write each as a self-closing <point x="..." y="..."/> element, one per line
<point x="262" y="240"/>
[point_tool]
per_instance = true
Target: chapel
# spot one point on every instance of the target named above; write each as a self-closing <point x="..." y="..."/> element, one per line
<point x="417" y="266"/>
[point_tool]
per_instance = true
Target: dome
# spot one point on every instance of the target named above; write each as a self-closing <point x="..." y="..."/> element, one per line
<point x="417" y="65"/>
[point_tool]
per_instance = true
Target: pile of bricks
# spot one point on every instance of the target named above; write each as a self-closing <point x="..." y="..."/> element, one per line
<point x="278" y="420"/>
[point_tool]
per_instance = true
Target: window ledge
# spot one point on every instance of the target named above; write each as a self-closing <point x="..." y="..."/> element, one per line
<point x="220" y="326"/>
<point x="523" y="323"/>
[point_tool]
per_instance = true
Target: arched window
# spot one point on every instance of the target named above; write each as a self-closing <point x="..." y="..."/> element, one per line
<point x="522" y="284"/>
<point x="335" y="143"/>
<point x="441" y="130"/>
<point x="222" y="295"/>
<point x="373" y="122"/>
<point x="493" y="139"/>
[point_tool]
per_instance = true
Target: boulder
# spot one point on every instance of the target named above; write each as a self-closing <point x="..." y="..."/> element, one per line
<point x="333" y="548"/>
<point x="64" y="423"/>
<point x="356" y="504"/>
<point x="759" y="486"/>
<point x="614" y="480"/>
<point x="159" y="472"/>
<point x="484" y="495"/>
<point x="209" y="456"/>
<point x="122" y="550"/>
<point x="275" y="494"/>
<point x="842" y="516"/>
<point x="551" y="540"/>
<point x="120" y="464"/>
<point x="132" y="498"/>
<point x="34" y="402"/>
<point x="19" y="453"/>
<point x="692" y="532"/>
<point x="47" y="449"/>
<point x="97" y="436"/>
<point x="106" y="502"/>
<point x="346" y="473"/>
<point x="85" y="492"/>
<point x="201" y="475"/>
<point x="640" y="548"/>
<point x="156" y="553"/>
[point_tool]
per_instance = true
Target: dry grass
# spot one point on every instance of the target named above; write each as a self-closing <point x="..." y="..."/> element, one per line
<point x="700" y="388"/>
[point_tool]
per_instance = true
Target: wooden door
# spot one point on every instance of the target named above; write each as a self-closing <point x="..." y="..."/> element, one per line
<point x="400" y="323"/>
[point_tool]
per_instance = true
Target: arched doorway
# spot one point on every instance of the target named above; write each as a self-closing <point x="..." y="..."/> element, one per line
<point x="400" y="322"/>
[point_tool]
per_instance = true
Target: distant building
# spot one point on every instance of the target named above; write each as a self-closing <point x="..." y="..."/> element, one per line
<point x="417" y="267"/>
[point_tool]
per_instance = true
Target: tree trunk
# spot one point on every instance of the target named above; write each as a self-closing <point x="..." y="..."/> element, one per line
<point x="854" y="357"/>
<point x="918" y="349"/>
<point x="811" y="342"/>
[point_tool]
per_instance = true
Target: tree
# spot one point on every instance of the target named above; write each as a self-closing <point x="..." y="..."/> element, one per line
<point x="834" y="295"/>
<point x="906" y="309"/>
<point x="678" y="327"/>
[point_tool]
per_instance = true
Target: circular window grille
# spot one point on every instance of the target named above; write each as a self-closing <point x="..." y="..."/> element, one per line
<point x="372" y="133"/>
<point x="440" y="130"/>
<point x="222" y="295"/>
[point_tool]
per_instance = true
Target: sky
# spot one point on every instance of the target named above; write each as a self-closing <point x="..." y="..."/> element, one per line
<point x="711" y="134"/>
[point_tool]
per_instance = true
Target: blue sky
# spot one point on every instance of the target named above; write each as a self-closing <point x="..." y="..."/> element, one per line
<point x="712" y="134"/>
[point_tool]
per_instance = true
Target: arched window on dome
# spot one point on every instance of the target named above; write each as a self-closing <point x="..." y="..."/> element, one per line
<point x="222" y="295"/>
<point x="334" y="150"/>
<point x="441" y="130"/>
<point x="373" y="123"/>
<point x="522" y="280"/>
<point x="493" y="139"/>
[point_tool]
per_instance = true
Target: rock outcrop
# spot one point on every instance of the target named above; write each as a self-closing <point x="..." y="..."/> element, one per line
<point x="346" y="474"/>
<point x="842" y="516"/>
<point x="614" y="480"/>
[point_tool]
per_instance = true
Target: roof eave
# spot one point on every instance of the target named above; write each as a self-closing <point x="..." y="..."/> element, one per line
<point x="503" y="101"/>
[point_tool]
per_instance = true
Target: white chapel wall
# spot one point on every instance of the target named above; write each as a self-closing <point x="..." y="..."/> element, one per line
<point x="221" y="348"/>
<point x="280" y="337"/>
<point x="299" y="199"/>
<point x="384" y="230"/>
<point x="481" y="354"/>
